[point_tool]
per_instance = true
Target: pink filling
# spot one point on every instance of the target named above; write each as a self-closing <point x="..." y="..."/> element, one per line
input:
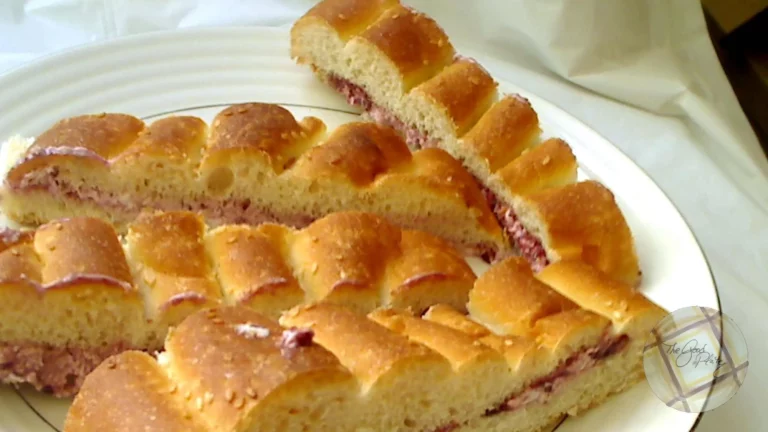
<point x="357" y="96"/>
<point x="530" y="246"/>
<point x="56" y="370"/>
<point x="541" y="390"/>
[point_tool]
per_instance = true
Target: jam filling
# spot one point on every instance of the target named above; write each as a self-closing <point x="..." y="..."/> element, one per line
<point x="529" y="245"/>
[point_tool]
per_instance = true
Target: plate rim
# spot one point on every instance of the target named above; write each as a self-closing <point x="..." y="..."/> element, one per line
<point x="82" y="49"/>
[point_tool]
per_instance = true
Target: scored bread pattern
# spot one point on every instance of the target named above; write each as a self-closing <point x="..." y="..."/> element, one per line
<point x="324" y="367"/>
<point x="399" y="66"/>
<point x="96" y="288"/>
<point x="256" y="163"/>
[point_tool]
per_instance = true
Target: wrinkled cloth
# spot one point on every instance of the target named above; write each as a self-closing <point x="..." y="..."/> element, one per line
<point x="642" y="73"/>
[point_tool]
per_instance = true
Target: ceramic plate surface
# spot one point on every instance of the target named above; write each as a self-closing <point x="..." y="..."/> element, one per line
<point x="201" y="71"/>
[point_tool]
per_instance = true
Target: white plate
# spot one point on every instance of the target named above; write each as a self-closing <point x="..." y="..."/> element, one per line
<point x="200" y="71"/>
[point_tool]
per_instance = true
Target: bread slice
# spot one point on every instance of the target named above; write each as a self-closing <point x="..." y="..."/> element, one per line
<point x="564" y="341"/>
<point x="74" y="292"/>
<point x="255" y="163"/>
<point x="400" y="67"/>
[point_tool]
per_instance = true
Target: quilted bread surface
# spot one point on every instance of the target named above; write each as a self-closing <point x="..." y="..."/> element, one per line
<point x="328" y="367"/>
<point x="399" y="66"/>
<point x="77" y="286"/>
<point x="255" y="163"/>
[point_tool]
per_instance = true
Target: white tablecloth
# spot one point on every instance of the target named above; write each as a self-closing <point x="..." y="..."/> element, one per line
<point x="641" y="72"/>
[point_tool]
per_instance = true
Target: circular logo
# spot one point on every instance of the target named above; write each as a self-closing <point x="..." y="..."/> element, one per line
<point x="695" y="359"/>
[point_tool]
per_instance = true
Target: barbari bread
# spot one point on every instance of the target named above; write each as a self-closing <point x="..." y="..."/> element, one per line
<point x="533" y="349"/>
<point x="400" y="67"/>
<point x="255" y="163"/>
<point x="74" y="291"/>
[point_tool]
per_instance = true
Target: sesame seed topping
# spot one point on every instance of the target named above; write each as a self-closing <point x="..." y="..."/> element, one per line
<point x="229" y="395"/>
<point x="314" y="268"/>
<point x="239" y="403"/>
<point x="231" y="240"/>
<point x="250" y="331"/>
<point x="546" y="160"/>
<point x="228" y="357"/>
<point x="227" y="114"/>
<point x="250" y="392"/>
<point x="508" y="342"/>
<point x="101" y="115"/>
<point x="15" y="252"/>
<point x="187" y="395"/>
<point x="217" y="320"/>
<point x="208" y="397"/>
<point x="173" y="389"/>
<point x="242" y="110"/>
<point x="199" y="404"/>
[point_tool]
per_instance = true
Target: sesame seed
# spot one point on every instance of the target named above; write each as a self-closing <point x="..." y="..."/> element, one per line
<point x="250" y="392"/>
<point x="231" y="240"/>
<point x="173" y="389"/>
<point x="342" y="16"/>
<point x="101" y="115"/>
<point x="440" y="43"/>
<point x="187" y="395"/>
<point x="507" y="342"/>
<point x="228" y="357"/>
<point x="546" y="160"/>
<point x="208" y="397"/>
<point x="229" y="395"/>
<point x="52" y="247"/>
<point x="227" y="114"/>
<point x="239" y="403"/>
<point x="199" y="404"/>
<point x="217" y="320"/>
<point x="15" y="252"/>
<point x="242" y="110"/>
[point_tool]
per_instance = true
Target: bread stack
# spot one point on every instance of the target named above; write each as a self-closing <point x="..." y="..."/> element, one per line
<point x="571" y="337"/>
<point x="73" y="292"/>
<point x="262" y="273"/>
<point x="400" y="67"/>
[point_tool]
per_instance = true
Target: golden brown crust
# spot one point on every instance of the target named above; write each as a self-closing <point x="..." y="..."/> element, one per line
<point x="346" y="17"/>
<point x="345" y="256"/>
<point x="436" y="168"/>
<point x="584" y="222"/>
<point x="361" y="164"/>
<point x="19" y="264"/>
<point x="412" y="41"/>
<point x="105" y="134"/>
<point x="268" y="132"/>
<point x="126" y="393"/>
<point x="358" y="152"/>
<point x="464" y="90"/>
<point x="458" y="347"/>
<point x="179" y="139"/>
<point x="346" y="334"/>
<point x="519" y="350"/>
<point x="428" y="270"/>
<point x="550" y="164"/>
<point x="568" y="331"/>
<point x="508" y="297"/>
<point x="174" y="265"/>
<point x="80" y="246"/>
<point x="239" y="357"/>
<point x="503" y="132"/>
<point x="596" y="291"/>
<point x="252" y="268"/>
